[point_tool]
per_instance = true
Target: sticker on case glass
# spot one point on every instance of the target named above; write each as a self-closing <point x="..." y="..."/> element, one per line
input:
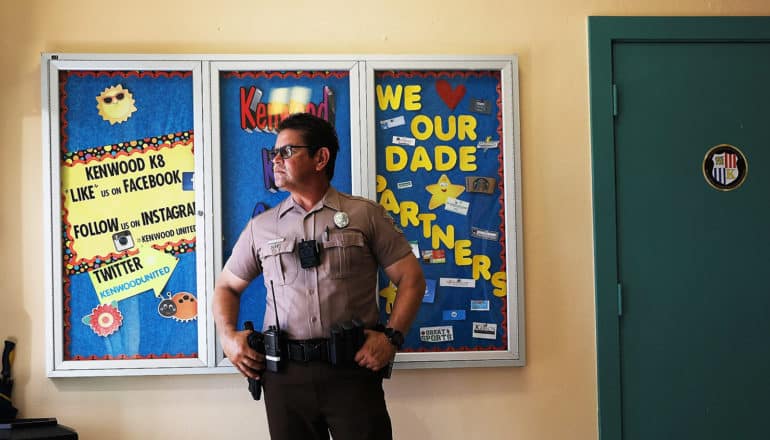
<point x="487" y="144"/>
<point x="457" y="282"/>
<point x="188" y="181"/>
<point x="453" y="315"/>
<point x="415" y="248"/>
<point x="442" y="333"/>
<point x="484" y="234"/>
<point x="393" y="122"/>
<point x="725" y="167"/>
<point x="483" y="106"/>
<point x="457" y="206"/>
<point x="430" y="292"/>
<point x="434" y="256"/>
<point x="403" y="140"/>
<point x="477" y="184"/>
<point x="484" y="330"/>
<point x="479" y="305"/>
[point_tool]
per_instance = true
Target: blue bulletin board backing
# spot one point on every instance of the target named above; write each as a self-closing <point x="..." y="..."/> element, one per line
<point x="128" y="215"/>
<point x="251" y="105"/>
<point x="156" y="163"/>
<point x="440" y="174"/>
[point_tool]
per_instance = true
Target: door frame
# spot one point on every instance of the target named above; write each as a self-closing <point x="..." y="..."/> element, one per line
<point x="603" y="34"/>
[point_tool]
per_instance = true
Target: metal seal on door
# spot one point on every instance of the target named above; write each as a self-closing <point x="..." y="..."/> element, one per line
<point x="725" y="167"/>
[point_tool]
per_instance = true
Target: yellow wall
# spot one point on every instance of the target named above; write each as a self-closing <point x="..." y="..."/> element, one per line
<point x="553" y="397"/>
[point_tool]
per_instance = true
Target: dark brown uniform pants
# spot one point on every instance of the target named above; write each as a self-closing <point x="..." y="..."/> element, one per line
<point x="306" y="401"/>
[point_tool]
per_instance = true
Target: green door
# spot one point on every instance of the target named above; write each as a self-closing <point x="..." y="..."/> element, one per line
<point x="693" y="261"/>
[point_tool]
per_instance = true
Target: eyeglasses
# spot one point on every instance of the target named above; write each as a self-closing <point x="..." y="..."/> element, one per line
<point x="118" y="97"/>
<point x="287" y="151"/>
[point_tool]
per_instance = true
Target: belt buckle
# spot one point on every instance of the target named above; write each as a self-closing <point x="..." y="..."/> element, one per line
<point x="314" y="350"/>
<point x="307" y="352"/>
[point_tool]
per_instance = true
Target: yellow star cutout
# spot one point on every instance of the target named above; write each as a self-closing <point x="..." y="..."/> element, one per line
<point x="442" y="190"/>
<point x="389" y="293"/>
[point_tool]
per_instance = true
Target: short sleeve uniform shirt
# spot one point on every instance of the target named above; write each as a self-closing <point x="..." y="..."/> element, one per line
<point x="344" y="284"/>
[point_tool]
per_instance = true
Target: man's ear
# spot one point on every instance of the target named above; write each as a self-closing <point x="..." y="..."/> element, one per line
<point x="322" y="158"/>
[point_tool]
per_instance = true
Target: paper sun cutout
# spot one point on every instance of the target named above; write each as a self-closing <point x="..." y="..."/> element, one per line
<point x="441" y="190"/>
<point x="115" y="104"/>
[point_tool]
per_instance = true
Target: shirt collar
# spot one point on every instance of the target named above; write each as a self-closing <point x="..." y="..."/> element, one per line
<point x="331" y="199"/>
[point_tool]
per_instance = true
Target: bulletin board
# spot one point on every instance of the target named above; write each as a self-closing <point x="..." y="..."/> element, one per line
<point x="446" y="168"/>
<point x="252" y="99"/>
<point x="123" y="151"/>
<point x="155" y="163"/>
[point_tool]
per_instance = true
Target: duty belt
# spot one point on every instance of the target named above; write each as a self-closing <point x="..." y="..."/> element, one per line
<point x="309" y="350"/>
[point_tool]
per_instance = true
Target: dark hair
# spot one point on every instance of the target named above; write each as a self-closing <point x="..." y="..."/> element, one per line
<point x="316" y="132"/>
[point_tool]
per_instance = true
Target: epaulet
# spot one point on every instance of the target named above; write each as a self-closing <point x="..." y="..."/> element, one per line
<point x="359" y="198"/>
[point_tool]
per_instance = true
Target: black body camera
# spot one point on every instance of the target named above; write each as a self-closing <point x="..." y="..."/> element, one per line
<point x="309" y="254"/>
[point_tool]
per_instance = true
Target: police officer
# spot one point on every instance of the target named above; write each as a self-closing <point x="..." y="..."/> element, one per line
<point x="343" y="240"/>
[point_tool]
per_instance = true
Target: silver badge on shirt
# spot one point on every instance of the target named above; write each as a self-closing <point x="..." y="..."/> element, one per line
<point x="341" y="219"/>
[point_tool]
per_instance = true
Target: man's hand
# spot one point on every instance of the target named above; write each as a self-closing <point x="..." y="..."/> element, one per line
<point x="377" y="351"/>
<point x="244" y="358"/>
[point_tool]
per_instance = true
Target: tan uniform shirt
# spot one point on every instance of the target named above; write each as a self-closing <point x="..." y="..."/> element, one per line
<point x="343" y="286"/>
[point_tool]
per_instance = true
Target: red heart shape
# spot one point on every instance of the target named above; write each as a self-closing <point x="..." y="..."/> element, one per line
<point x="450" y="97"/>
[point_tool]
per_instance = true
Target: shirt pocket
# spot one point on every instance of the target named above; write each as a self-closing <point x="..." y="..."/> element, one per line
<point x="279" y="264"/>
<point x="342" y="251"/>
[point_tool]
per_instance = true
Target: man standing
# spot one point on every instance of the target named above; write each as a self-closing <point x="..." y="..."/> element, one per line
<point x="344" y="240"/>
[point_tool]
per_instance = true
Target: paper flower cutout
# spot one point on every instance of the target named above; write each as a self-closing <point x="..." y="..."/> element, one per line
<point x="105" y="320"/>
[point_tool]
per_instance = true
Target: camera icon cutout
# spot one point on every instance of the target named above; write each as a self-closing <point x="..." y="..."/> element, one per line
<point x="123" y="240"/>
